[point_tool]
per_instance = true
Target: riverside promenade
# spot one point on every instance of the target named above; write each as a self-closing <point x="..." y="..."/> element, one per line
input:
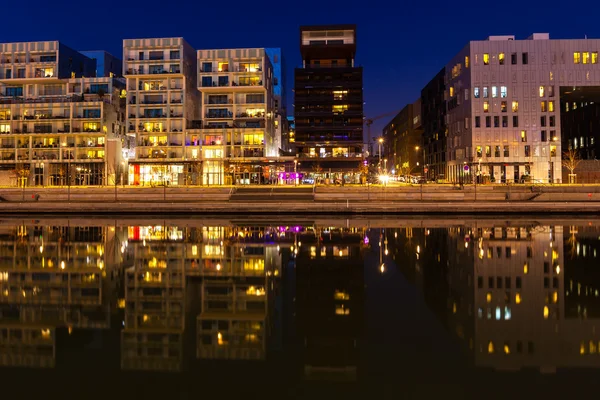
<point x="319" y="200"/>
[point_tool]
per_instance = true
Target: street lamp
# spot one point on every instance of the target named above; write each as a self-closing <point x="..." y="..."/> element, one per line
<point x="380" y="142"/>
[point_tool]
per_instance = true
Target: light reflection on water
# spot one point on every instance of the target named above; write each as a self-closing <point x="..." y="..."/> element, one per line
<point x="353" y="302"/>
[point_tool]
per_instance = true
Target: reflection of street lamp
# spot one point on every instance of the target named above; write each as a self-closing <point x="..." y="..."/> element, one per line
<point x="295" y="172"/>
<point x="380" y="142"/>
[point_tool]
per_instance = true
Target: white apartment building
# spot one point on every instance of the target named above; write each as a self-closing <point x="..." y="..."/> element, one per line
<point x="161" y="103"/>
<point x="235" y="139"/>
<point x="59" y="124"/>
<point x="503" y="106"/>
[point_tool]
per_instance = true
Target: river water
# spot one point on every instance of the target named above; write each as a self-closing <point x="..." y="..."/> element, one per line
<point x="296" y="307"/>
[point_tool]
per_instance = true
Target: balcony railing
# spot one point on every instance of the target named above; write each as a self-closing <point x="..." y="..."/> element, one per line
<point x="250" y="116"/>
<point x="227" y="115"/>
<point x="330" y="155"/>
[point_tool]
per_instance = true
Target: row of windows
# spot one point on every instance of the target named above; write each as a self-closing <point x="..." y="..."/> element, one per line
<point x="505" y="152"/>
<point x="498" y="282"/>
<point x="503" y="92"/>
<point x="506" y="348"/>
<point x="543" y="91"/>
<point x="502" y="58"/>
<point x="585" y="57"/>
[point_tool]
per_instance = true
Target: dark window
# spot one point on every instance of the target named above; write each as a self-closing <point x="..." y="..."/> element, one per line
<point x="529" y="252"/>
<point x="491" y="282"/>
<point x="544" y="137"/>
<point x="496" y="151"/>
<point x="507" y="251"/>
<point x="527" y="151"/>
<point x="206" y="81"/>
<point x="546" y="283"/>
<point x="499" y="282"/>
<point x="499" y="251"/>
<point x="519" y="347"/>
<point x="488" y="122"/>
<point x="555" y="283"/>
<point x="518" y="282"/>
<point x="546" y="267"/>
<point x="174" y="55"/>
<point x="480" y="282"/>
<point x="552" y="120"/>
<point x="525" y="58"/>
<point x="507" y="282"/>
<point x="513" y="58"/>
<point x="206" y="67"/>
<point x="506" y="151"/>
<point x="543" y="120"/>
<point x="515" y="121"/>
<point x="504" y="121"/>
<point x="496" y="121"/>
<point x="477" y="122"/>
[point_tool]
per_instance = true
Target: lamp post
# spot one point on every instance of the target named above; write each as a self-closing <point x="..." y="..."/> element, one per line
<point x="380" y="142"/>
<point x="295" y="172"/>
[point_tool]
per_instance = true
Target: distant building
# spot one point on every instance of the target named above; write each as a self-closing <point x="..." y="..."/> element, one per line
<point x="236" y="134"/>
<point x="106" y="63"/>
<point x="402" y="139"/>
<point x="328" y="102"/>
<point x="59" y="124"/>
<point x="433" y="117"/>
<point x="504" y="102"/>
<point x="280" y="98"/>
<point x="162" y="102"/>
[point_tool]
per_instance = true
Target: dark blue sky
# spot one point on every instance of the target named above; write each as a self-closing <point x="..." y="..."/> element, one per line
<point x="401" y="45"/>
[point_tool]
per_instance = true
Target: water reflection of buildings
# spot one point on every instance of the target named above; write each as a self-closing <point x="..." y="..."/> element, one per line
<point x="50" y="277"/>
<point x="240" y="266"/>
<point x="152" y="337"/>
<point x="182" y="288"/>
<point x="330" y="300"/>
<point x="508" y="301"/>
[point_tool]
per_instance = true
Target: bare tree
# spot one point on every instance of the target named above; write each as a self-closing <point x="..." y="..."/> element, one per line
<point x="570" y="161"/>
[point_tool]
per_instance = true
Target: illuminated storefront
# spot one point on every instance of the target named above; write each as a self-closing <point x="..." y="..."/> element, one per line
<point x="156" y="174"/>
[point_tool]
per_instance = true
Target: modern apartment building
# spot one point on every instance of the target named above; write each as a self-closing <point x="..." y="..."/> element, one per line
<point x="280" y="98"/>
<point x="162" y="102"/>
<point x="236" y="138"/>
<point x="59" y="124"/>
<point x="402" y="138"/>
<point x="433" y="117"/>
<point x="328" y="102"/>
<point x="504" y="98"/>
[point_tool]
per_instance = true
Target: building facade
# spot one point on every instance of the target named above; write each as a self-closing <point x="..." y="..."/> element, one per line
<point x="59" y="125"/>
<point x="162" y="102"/>
<point x="328" y="102"/>
<point x="503" y="105"/>
<point x="433" y="117"/>
<point x="402" y="139"/>
<point x="236" y="138"/>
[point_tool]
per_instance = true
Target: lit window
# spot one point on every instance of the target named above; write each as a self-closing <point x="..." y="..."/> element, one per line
<point x="494" y="91"/>
<point x="488" y="297"/>
<point x="546" y="312"/>
<point x="485" y="92"/>
<point x="551" y="76"/>
<point x="478" y="152"/>
<point x="518" y="298"/>
<point x="340" y="108"/>
<point x="503" y="91"/>
<point x="555" y="297"/>
<point x="340" y="94"/>
<point x="525" y="265"/>
<point x="491" y="347"/>
<point x="515" y="106"/>
<point x="451" y="91"/>
<point x="586" y="58"/>
<point x="507" y="313"/>
<point x="503" y="107"/>
<point x="466" y="61"/>
<point x="542" y="106"/>
<point x="476" y="92"/>
<point x="501" y="58"/>
<point x="486" y="106"/>
<point x="576" y="57"/>
<point x="506" y="348"/>
<point x="341" y="295"/>
<point x="486" y="59"/>
<point x="498" y="314"/>
<point x="594" y="57"/>
<point x="541" y="91"/>
<point x="582" y="348"/>
<point x="592" y="347"/>
<point x="551" y="106"/>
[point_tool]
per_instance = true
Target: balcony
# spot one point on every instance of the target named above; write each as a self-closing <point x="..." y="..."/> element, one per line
<point x="258" y="115"/>
<point x="247" y="83"/>
<point x="222" y="115"/>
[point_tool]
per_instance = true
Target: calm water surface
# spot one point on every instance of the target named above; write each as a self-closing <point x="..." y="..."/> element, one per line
<point x="288" y="307"/>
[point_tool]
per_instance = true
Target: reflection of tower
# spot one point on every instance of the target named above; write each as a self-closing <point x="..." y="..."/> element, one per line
<point x="154" y="300"/>
<point x="50" y="277"/>
<point x="238" y="270"/>
<point x="329" y="304"/>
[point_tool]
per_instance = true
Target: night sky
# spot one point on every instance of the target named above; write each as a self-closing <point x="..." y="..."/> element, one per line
<point x="401" y="45"/>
